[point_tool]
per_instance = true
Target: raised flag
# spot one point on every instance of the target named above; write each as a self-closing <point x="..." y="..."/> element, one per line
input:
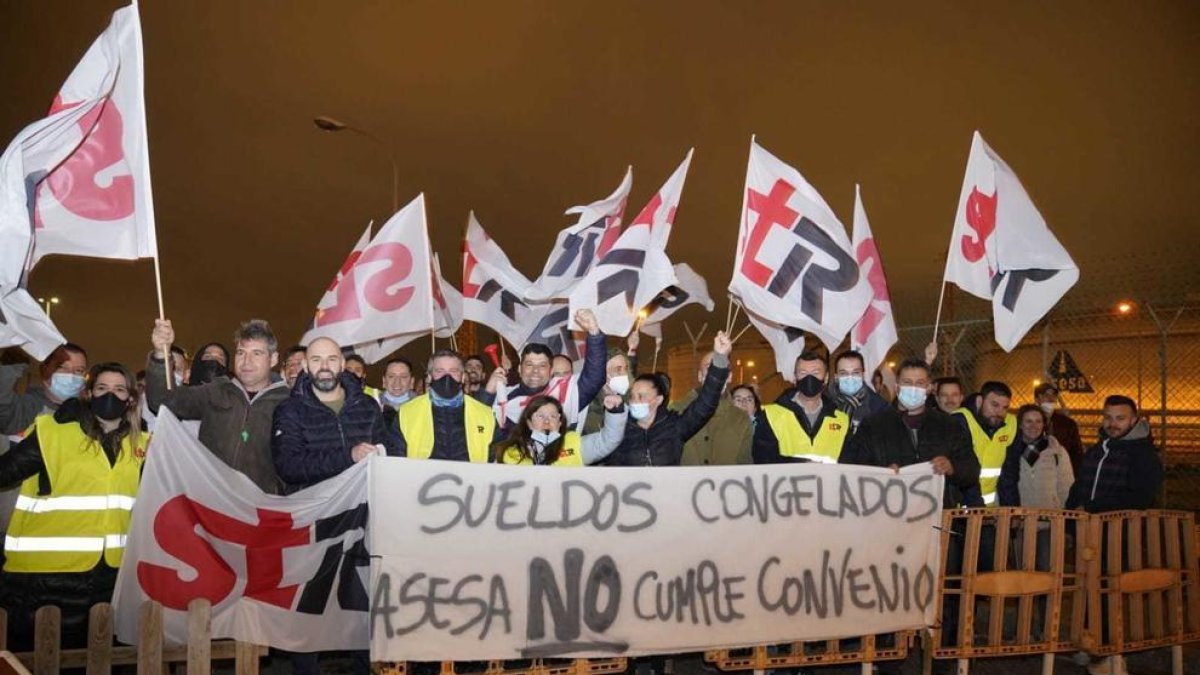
<point x="384" y="290"/>
<point x="786" y="341"/>
<point x="794" y="265"/>
<point x="875" y="332"/>
<point x="578" y="247"/>
<point x="636" y="269"/>
<point x="1001" y="249"/>
<point x="98" y="201"/>
<point x="447" y="317"/>
<point x="690" y="288"/>
<point x="493" y="289"/>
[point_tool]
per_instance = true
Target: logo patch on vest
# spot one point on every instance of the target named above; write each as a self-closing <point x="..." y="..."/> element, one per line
<point x="139" y="452"/>
<point x="834" y="426"/>
<point x="1003" y="438"/>
<point x="479" y="428"/>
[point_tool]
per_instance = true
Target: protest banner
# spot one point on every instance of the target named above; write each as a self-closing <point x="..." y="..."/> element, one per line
<point x="493" y="562"/>
<point x="281" y="571"/>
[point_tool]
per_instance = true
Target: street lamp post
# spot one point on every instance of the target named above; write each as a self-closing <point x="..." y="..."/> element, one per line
<point x="325" y="123"/>
<point x="47" y="303"/>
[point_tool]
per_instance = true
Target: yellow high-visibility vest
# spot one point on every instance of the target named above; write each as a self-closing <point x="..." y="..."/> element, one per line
<point x="990" y="451"/>
<point x="568" y="456"/>
<point x="416" y="423"/>
<point x="86" y="515"/>
<point x="825" y="447"/>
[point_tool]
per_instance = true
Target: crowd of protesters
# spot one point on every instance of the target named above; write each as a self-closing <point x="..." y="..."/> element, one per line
<point x="75" y="438"/>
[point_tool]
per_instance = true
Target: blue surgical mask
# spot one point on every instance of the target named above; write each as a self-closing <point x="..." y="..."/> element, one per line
<point x="639" y="411"/>
<point x="850" y="384"/>
<point x="912" y="397"/>
<point x="395" y="401"/>
<point x="66" y="385"/>
<point x="545" y="438"/>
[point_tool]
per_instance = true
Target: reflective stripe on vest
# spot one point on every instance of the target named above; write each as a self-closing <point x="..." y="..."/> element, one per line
<point x="568" y="456"/>
<point x="94" y="544"/>
<point x="85" y="518"/>
<point x="990" y="451"/>
<point x="98" y="503"/>
<point x="793" y="442"/>
<point x="416" y="423"/>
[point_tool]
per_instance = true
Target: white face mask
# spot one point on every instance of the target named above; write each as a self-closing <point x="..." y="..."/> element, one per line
<point x="619" y="384"/>
<point x="639" y="411"/>
<point x="1048" y="407"/>
<point x="545" y="438"/>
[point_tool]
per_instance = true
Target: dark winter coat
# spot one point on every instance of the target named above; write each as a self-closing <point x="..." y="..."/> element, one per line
<point x="662" y="443"/>
<point x="310" y="443"/>
<point x="884" y="439"/>
<point x="234" y="427"/>
<point x="1119" y="473"/>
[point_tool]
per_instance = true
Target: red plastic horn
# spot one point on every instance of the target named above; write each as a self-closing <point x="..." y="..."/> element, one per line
<point x="493" y="351"/>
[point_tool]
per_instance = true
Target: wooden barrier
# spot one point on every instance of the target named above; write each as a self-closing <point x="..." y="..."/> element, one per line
<point x="1143" y="584"/>
<point x="1010" y="583"/>
<point x="865" y="650"/>
<point x="150" y="656"/>
<point x="510" y="667"/>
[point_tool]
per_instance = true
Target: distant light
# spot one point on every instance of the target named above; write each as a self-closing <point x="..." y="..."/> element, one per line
<point x="328" y="123"/>
<point x="1124" y="307"/>
<point x="54" y="300"/>
<point x="1036" y="382"/>
<point x="749" y="364"/>
<point x="891" y="364"/>
<point x="643" y="314"/>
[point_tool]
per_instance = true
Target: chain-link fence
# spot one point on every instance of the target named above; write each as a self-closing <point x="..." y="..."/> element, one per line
<point x="1135" y="333"/>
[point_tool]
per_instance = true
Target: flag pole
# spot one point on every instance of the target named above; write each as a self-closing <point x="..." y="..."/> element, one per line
<point x="162" y="315"/>
<point x="937" y="321"/>
<point x="736" y="308"/>
<point x="728" y="312"/>
<point x="657" y="345"/>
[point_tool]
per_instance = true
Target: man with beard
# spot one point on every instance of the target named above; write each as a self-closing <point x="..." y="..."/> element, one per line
<point x="444" y="423"/>
<point x="986" y="418"/>
<point x="325" y="426"/>
<point x="802" y="425"/>
<point x="476" y="372"/>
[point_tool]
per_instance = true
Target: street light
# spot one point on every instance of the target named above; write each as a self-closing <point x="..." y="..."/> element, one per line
<point x="326" y="123"/>
<point x="1124" y="307"/>
<point x="47" y="303"/>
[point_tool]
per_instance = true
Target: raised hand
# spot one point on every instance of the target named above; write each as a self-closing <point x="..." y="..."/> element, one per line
<point x="163" y="335"/>
<point x="587" y="321"/>
<point x="722" y="344"/>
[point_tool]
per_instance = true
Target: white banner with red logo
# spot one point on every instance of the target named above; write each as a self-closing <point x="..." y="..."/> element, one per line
<point x="77" y="181"/>
<point x="794" y="264"/>
<point x="578" y="247"/>
<point x="493" y="290"/>
<point x="384" y="289"/>
<point x="636" y="269"/>
<point x="1001" y="249"/>
<point x="690" y="288"/>
<point x="98" y="201"/>
<point x="488" y="561"/>
<point x="289" y="572"/>
<point x="875" y="332"/>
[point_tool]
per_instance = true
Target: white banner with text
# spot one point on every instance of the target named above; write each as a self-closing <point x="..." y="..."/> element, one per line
<point x="476" y="561"/>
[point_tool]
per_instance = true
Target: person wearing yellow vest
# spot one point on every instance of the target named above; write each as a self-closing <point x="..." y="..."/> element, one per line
<point x="79" y="469"/>
<point x="444" y="423"/>
<point x="538" y="438"/>
<point x="802" y="425"/>
<point x="992" y="430"/>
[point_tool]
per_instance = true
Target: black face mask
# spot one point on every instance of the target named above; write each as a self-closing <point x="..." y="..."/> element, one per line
<point x="810" y="385"/>
<point x="206" y="371"/>
<point x="108" y="407"/>
<point x="445" y="387"/>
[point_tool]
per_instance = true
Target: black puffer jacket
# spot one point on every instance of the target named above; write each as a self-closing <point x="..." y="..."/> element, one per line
<point x="310" y="443"/>
<point x="883" y="439"/>
<point x="662" y="443"/>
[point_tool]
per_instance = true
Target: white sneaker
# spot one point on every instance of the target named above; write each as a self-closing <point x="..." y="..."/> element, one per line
<point x="1102" y="667"/>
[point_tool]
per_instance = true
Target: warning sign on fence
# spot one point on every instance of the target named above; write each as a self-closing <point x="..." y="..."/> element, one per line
<point x="1067" y="376"/>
